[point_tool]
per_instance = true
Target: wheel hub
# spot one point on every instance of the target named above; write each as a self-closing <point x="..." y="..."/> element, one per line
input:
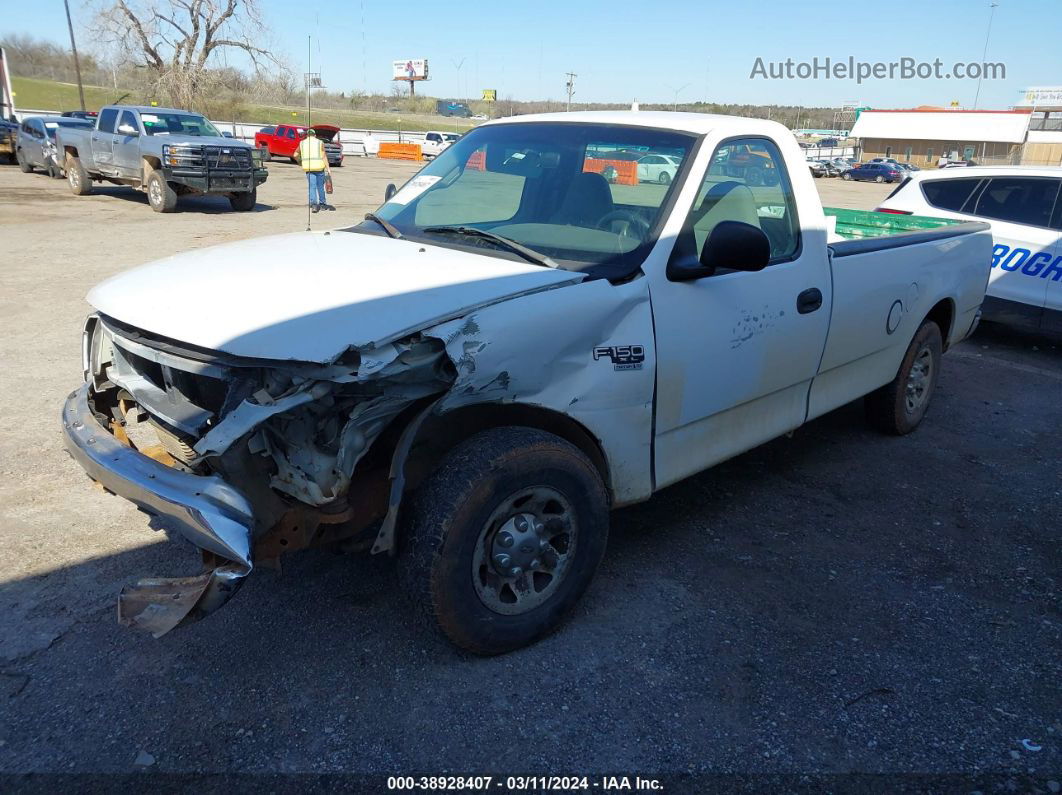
<point x="518" y="545"/>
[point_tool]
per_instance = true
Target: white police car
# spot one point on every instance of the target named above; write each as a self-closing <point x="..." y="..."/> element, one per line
<point x="1024" y="206"/>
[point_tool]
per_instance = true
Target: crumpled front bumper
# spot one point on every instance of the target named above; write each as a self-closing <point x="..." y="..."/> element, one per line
<point x="207" y="511"/>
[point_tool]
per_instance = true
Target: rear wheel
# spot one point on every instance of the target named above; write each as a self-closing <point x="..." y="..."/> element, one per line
<point x="161" y="197"/>
<point x="899" y="406"/>
<point x="754" y="176"/>
<point x="664" y="178"/>
<point x="23" y="164"/>
<point x="846" y="175"/>
<point x="77" y="177"/>
<point x="879" y="178"/>
<point x="504" y="538"/>
<point x="244" y="201"/>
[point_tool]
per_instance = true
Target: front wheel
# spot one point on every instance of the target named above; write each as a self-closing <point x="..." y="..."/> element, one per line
<point x="664" y="178"/>
<point x="846" y="175"/>
<point x="266" y="156"/>
<point x="504" y="538"/>
<point x="879" y="178"/>
<point x="161" y="197"/>
<point x="244" y="201"/>
<point x="899" y="406"/>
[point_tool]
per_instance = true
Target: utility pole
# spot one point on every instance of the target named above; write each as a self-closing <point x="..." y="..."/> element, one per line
<point x="984" y="54"/>
<point x="570" y="86"/>
<point x="73" y="47"/>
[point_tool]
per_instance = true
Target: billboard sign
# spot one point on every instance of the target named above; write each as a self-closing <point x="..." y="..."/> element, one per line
<point x="490" y="95"/>
<point x="1040" y="96"/>
<point x="410" y="69"/>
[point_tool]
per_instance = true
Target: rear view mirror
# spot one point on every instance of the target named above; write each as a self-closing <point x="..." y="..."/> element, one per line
<point x="127" y="129"/>
<point x="390" y="191"/>
<point x="737" y="246"/>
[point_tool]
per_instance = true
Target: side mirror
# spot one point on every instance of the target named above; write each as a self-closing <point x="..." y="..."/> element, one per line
<point x="390" y="191"/>
<point x="732" y="245"/>
<point x="127" y="129"/>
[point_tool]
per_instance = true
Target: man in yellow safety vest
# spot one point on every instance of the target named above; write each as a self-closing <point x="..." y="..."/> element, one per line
<point x="315" y="164"/>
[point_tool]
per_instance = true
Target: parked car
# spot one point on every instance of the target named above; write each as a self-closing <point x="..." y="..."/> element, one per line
<point x="658" y="168"/>
<point x="875" y="172"/>
<point x="8" y="138"/>
<point x="447" y="107"/>
<point x="283" y="141"/>
<point x="81" y="114"/>
<point x="434" y="142"/>
<point x="890" y="160"/>
<point x="36" y="144"/>
<point x="396" y="391"/>
<point x="165" y="152"/>
<point x="1023" y="204"/>
<point x="817" y="168"/>
<point x="827" y="143"/>
<point x="480" y="117"/>
<point x="749" y="162"/>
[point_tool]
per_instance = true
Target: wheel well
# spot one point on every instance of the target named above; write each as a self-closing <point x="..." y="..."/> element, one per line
<point x="442" y="433"/>
<point x="71" y="150"/>
<point x="943" y="314"/>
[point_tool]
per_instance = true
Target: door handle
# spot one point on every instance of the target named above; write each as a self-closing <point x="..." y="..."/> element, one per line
<point x="809" y="300"/>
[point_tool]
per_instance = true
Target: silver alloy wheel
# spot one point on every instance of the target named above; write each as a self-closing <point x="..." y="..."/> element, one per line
<point x="524" y="550"/>
<point x="155" y="193"/>
<point x="918" y="380"/>
<point x="75" y="179"/>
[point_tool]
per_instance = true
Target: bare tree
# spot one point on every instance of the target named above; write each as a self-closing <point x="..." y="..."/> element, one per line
<point x="179" y="41"/>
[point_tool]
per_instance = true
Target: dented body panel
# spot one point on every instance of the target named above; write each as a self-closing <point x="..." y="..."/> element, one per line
<point x="268" y="407"/>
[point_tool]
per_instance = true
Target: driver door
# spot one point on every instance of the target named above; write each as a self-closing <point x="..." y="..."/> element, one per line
<point x="737" y="351"/>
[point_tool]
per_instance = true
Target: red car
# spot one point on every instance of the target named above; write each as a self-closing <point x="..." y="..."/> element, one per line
<point x="283" y="141"/>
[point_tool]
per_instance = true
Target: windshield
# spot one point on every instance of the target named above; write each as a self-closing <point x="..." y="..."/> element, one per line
<point x="163" y="123"/>
<point x="580" y="194"/>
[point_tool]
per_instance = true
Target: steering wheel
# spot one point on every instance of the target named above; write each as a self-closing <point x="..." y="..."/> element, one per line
<point x="633" y="224"/>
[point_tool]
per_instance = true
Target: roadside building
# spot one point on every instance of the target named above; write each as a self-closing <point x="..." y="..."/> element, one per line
<point x="920" y="136"/>
<point x="1044" y="143"/>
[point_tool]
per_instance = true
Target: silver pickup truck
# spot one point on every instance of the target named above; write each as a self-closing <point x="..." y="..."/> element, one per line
<point x="165" y="152"/>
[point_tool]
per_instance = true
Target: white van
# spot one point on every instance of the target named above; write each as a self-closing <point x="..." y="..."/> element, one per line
<point x="1024" y="207"/>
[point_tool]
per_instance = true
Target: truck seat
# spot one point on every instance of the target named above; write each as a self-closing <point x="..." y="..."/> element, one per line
<point x="725" y="201"/>
<point x="588" y="199"/>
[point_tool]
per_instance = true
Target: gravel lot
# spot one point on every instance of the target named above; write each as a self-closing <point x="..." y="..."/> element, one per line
<point x="832" y="602"/>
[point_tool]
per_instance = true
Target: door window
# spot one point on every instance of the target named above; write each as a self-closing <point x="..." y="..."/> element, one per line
<point x="107" y="118"/>
<point x="127" y="118"/>
<point x="949" y="194"/>
<point x="290" y="132"/>
<point x="1019" y="200"/>
<point x="746" y="181"/>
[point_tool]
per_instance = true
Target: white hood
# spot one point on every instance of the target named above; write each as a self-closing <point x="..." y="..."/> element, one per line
<point x="310" y="296"/>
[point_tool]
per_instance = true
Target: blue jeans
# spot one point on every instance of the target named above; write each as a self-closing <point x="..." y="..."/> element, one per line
<point x="316" y="182"/>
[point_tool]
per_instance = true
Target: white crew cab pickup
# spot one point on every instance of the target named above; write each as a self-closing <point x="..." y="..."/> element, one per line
<point x="1023" y="205"/>
<point x="472" y="377"/>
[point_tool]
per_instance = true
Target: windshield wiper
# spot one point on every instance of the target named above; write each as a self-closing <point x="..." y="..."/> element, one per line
<point x="527" y="253"/>
<point x="388" y="227"/>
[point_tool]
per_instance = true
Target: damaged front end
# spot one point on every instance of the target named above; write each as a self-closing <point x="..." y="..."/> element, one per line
<point x="247" y="459"/>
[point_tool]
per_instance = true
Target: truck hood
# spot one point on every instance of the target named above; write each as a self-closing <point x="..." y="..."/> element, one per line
<point x="310" y="296"/>
<point x="202" y="140"/>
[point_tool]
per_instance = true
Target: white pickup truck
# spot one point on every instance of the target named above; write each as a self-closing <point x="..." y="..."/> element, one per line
<point x="471" y="378"/>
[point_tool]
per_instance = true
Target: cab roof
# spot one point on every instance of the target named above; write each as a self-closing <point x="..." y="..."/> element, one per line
<point x="695" y="123"/>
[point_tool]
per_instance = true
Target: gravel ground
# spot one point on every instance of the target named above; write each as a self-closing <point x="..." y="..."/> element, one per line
<point x="832" y="602"/>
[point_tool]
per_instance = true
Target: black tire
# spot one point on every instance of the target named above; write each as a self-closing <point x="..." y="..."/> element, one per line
<point x="23" y="166"/>
<point x="459" y="511"/>
<point x="846" y="175"/>
<point x="77" y="177"/>
<point x="244" y="201"/>
<point x="664" y="178"/>
<point x="754" y="176"/>
<point x="879" y="179"/>
<point x="161" y="197"/>
<point x="898" y="407"/>
<point x="266" y="157"/>
<point x="53" y="170"/>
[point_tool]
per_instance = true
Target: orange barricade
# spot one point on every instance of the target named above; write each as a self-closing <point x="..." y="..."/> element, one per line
<point x="477" y="161"/>
<point x="400" y="151"/>
<point x="626" y="171"/>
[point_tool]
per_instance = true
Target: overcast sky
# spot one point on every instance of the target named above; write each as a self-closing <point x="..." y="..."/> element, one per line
<point x="689" y="49"/>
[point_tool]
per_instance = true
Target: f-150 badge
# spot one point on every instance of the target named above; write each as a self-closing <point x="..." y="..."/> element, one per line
<point x="624" y="357"/>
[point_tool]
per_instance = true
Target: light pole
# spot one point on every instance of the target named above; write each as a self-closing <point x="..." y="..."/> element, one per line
<point x="984" y="53"/>
<point x="73" y="47"/>
<point x="570" y="87"/>
<point x="674" y="104"/>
